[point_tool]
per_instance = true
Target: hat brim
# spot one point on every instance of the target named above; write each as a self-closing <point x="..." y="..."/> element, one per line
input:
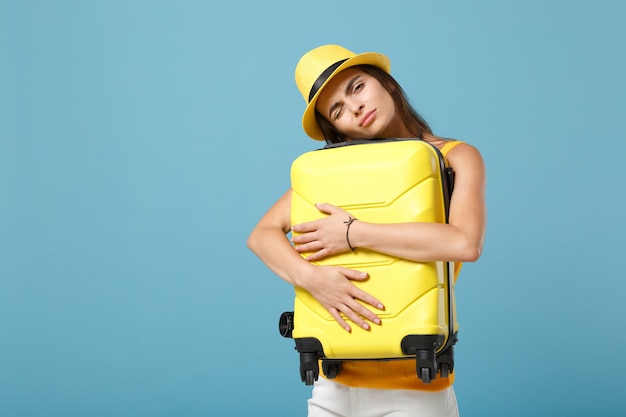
<point x="309" y="122"/>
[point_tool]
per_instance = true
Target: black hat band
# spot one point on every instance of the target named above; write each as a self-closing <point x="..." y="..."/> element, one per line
<point x="323" y="77"/>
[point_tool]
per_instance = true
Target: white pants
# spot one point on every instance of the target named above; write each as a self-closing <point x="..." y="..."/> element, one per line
<point x="331" y="399"/>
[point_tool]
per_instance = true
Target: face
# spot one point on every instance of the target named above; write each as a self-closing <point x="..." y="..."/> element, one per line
<point x="359" y="106"/>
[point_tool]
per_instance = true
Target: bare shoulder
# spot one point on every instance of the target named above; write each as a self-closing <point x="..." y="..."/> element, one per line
<point x="469" y="172"/>
<point x="462" y="157"/>
<point x="464" y="154"/>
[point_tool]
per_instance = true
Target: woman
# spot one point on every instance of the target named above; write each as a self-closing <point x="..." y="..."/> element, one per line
<point x="352" y="96"/>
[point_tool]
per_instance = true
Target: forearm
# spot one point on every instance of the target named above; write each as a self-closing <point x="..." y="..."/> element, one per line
<point x="424" y="242"/>
<point x="269" y="242"/>
<point x="460" y="240"/>
<point x="273" y="248"/>
<point x="330" y="285"/>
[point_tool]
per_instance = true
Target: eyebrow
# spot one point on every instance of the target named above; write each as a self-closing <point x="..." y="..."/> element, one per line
<point x="347" y="90"/>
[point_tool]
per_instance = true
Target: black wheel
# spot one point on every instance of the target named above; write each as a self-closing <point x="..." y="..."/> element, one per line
<point x="425" y="375"/>
<point x="309" y="369"/>
<point x="285" y="324"/>
<point x="426" y="365"/>
<point x="309" y="377"/>
<point x="444" y="370"/>
<point x="331" y="368"/>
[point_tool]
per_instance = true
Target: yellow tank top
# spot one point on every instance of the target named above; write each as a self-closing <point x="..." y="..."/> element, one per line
<point x="396" y="373"/>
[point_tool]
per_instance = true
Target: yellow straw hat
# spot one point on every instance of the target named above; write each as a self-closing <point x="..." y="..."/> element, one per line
<point x="317" y="67"/>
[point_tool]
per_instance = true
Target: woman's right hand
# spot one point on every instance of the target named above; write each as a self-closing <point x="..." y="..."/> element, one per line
<point x="331" y="286"/>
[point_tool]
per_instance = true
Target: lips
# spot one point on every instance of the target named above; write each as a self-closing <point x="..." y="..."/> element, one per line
<point x="368" y="118"/>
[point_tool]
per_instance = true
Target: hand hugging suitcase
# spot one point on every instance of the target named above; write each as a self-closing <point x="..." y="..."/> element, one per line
<point x="381" y="181"/>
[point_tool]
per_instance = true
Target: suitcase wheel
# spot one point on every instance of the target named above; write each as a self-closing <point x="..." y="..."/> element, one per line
<point x="309" y="377"/>
<point x="445" y="361"/>
<point x="331" y="368"/>
<point x="426" y="365"/>
<point x="285" y="324"/>
<point x="444" y="370"/>
<point x="424" y="375"/>
<point x="309" y="369"/>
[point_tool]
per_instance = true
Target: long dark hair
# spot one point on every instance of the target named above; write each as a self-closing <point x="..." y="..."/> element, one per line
<point x="411" y="118"/>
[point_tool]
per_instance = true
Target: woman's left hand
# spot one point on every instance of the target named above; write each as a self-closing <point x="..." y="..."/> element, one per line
<point x="323" y="237"/>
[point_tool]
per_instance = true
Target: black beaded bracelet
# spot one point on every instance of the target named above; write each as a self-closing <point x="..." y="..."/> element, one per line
<point x="348" y="223"/>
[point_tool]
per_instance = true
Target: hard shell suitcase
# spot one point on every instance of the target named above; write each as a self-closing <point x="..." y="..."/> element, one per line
<point x="381" y="181"/>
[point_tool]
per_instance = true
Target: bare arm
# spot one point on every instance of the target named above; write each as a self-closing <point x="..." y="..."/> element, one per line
<point x="460" y="240"/>
<point x="330" y="285"/>
<point x="269" y="243"/>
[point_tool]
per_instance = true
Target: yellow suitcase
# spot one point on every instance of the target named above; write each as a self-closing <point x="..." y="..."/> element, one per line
<point x="381" y="181"/>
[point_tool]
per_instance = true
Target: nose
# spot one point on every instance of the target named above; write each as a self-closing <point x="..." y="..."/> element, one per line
<point x="357" y="109"/>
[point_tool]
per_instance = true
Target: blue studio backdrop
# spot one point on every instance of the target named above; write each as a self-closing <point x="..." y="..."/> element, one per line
<point x="140" y="141"/>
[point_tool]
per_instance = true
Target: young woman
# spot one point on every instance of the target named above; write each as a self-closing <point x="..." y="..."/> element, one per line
<point x="352" y="96"/>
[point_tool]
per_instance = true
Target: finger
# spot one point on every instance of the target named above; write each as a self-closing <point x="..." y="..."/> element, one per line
<point x="325" y="208"/>
<point x="303" y="238"/>
<point x="367" y="314"/>
<point x="360" y="294"/>
<point x="308" y="246"/>
<point x="330" y="209"/>
<point x="368" y="299"/>
<point x="304" y="227"/>
<point x="354" y="317"/>
<point x="353" y="274"/>
<point x="339" y="319"/>
<point x="316" y="256"/>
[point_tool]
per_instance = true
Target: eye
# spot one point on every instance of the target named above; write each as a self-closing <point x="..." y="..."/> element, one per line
<point x="358" y="87"/>
<point x="337" y="113"/>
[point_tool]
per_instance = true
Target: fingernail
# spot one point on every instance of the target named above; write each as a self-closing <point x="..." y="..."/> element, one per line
<point x="380" y="306"/>
<point x="365" y="326"/>
<point x="377" y="321"/>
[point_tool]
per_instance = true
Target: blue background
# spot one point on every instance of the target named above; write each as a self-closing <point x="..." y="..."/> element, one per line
<point x="140" y="141"/>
